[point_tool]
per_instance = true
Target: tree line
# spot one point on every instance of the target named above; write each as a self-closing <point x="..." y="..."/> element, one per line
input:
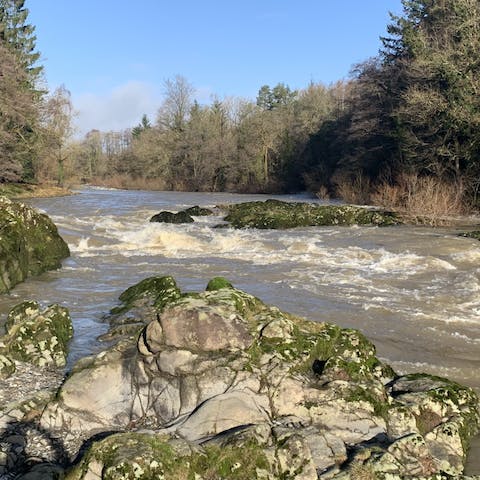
<point x="229" y="144"/>
<point x="406" y="121"/>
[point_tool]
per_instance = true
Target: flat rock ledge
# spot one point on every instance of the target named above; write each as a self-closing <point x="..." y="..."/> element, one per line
<point x="29" y="244"/>
<point x="276" y="214"/>
<point x="219" y="385"/>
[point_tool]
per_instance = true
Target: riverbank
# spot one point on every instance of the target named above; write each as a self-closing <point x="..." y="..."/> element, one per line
<point x="18" y="191"/>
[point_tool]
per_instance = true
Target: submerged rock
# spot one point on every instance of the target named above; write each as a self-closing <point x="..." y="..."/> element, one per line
<point x="170" y="217"/>
<point x="473" y="234"/>
<point x="29" y="244"/>
<point x="276" y="214"/>
<point x="219" y="385"/>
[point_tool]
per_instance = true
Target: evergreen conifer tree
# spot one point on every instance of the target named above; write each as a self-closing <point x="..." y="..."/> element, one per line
<point x="19" y="108"/>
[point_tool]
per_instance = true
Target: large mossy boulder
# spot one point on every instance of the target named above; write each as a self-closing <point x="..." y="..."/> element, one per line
<point x="244" y="380"/>
<point x="276" y="214"/>
<point x="35" y="336"/>
<point x="29" y="244"/>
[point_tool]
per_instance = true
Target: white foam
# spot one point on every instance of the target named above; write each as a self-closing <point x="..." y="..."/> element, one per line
<point x="82" y="245"/>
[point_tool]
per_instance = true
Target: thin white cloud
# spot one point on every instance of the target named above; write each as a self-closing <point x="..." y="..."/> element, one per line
<point x="120" y="108"/>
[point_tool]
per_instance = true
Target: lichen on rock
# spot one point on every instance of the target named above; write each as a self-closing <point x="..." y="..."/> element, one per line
<point x="236" y="379"/>
<point x="29" y="244"/>
<point x="35" y="336"/>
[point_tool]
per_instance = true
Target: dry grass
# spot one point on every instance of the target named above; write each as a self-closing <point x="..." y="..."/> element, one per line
<point x="25" y="190"/>
<point x="127" y="182"/>
<point x="354" y="189"/>
<point x="426" y="199"/>
<point x="322" y="193"/>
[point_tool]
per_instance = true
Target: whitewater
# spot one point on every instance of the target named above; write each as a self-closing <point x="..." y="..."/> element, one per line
<point x="414" y="291"/>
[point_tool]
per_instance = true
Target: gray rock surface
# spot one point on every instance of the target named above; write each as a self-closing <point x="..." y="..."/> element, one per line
<point x="220" y="375"/>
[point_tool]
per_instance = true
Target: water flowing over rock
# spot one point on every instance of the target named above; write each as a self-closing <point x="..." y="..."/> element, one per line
<point x="220" y="385"/>
<point x="277" y="214"/>
<point x="29" y="244"/>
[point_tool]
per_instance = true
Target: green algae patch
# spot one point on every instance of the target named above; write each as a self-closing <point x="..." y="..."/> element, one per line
<point x="276" y="214"/>
<point x="368" y="393"/>
<point x="29" y="244"/>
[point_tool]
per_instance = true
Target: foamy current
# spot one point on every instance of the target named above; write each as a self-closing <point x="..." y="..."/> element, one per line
<point x="413" y="291"/>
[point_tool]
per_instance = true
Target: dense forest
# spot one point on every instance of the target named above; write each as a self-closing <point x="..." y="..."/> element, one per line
<point x="402" y="131"/>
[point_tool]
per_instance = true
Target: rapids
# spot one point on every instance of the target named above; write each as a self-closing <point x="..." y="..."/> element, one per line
<point x="414" y="291"/>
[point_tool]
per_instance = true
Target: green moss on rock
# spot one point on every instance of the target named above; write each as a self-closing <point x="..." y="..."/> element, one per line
<point x="170" y="217"/>
<point x="212" y="365"/>
<point x="36" y="336"/>
<point x="155" y="291"/>
<point x="217" y="283"/>
<point x="275" y="214"/>
<point x="474" y="234"/>
<point x="133" y="456"/>
<point x="197" y="211"/>
<point x="29" y="244"/>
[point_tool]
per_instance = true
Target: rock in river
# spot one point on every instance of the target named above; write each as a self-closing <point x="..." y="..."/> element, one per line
<point x="218" y="384"/>
<point x="170" y="217"/>
<point x="29" y="244"/>
<point x="277" y="214"/>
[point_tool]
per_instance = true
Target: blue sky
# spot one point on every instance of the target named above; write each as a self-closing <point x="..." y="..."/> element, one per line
<point x="114" y="55"/>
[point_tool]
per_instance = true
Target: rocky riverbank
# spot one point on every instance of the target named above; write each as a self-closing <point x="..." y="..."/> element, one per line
<point x="217" y="384"/>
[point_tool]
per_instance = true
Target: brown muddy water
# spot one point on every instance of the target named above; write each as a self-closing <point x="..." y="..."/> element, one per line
<point x="414" y="291"/>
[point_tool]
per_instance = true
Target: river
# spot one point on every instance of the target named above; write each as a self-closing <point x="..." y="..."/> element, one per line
<point x="414" y="291"/>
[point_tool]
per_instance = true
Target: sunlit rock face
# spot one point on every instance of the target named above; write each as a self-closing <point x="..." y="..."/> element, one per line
<point x="29" y="244"/>
<point x="230" y="376"/>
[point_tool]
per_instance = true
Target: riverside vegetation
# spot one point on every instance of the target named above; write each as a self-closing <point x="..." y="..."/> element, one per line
<point x="217" y="384"/>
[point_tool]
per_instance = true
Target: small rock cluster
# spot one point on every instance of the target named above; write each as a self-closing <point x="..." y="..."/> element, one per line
<point x="183" y="216"/>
